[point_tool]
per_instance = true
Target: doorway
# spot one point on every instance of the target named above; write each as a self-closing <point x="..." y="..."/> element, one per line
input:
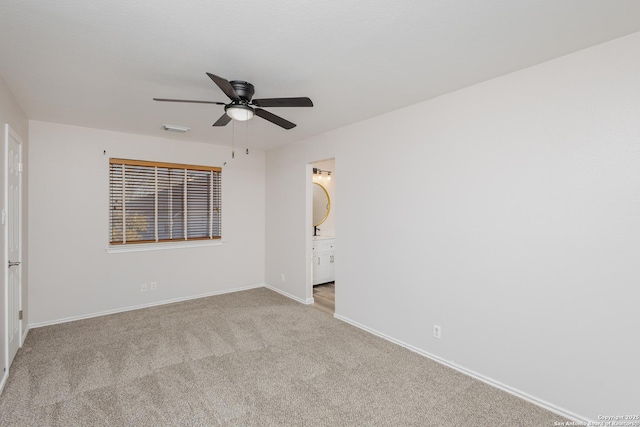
<point x="323" y="246"/>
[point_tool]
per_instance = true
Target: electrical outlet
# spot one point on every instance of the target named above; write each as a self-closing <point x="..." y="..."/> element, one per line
<point x="153" y="286"/>
<point x="437" y="331"/>
<point x="282" y="276"/>
<point x="143" y="287"/>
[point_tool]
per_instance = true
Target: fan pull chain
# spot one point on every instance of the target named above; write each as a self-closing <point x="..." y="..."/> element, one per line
<point x="233" y="137"/>
<point x="246" y="136"/>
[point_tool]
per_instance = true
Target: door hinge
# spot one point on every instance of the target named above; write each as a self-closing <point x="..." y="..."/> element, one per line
<point x="20" y="167"/>
<point x="20" y="315"/>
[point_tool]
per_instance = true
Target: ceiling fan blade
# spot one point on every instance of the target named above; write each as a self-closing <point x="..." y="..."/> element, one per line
<point x="274" y="119"/>
<point x="283" y="102"/>
<point x="223" y="120"/>
<point x="225" y="86"/>
<point x="188" y="100"/>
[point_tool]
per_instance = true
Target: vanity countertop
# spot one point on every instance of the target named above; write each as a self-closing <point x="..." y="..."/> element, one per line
<point x="323" y="237"/>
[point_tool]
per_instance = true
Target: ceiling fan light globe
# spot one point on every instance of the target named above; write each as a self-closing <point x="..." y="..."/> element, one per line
<point x="239" y="112"/>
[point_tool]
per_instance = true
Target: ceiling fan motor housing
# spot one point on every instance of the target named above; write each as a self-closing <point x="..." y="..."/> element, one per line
<point x="245" y="90"/>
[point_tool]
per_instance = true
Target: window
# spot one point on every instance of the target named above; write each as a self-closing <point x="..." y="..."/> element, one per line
<point x="152" y="202"/>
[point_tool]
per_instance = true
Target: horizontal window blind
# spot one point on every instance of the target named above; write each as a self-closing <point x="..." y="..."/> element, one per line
<point x="163" y="202"/>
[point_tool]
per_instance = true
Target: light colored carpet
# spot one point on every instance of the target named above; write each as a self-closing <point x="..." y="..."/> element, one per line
<point x="252" y="358"/>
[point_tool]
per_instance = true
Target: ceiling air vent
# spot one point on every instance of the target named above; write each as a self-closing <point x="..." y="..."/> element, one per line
<point x="172" y="128"/>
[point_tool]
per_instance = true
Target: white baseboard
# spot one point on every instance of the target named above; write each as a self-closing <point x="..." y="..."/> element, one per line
<point x="137" y="307"/>
<point x="24" y="335"/>
<point x="5" y="375"/>
<point x="308" y="301"/>
<point x="543" y="404"/>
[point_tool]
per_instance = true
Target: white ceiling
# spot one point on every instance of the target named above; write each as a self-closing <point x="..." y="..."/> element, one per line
<point x="98" y="63"/>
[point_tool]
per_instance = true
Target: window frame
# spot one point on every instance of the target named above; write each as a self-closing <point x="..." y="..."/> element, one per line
<point x="213" y="213"/>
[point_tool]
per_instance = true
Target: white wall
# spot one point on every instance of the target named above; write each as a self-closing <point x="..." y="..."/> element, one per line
<point x="71" y="273"/>
<point x="508" y="213"/>
<point x="286" y="251"/>
<point x="12" y="114"/>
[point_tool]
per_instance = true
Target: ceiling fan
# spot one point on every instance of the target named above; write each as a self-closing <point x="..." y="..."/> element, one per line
<point x="242" y="107"/>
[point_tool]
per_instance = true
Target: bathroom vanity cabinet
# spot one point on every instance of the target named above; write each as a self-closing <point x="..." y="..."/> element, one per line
<point x="324" y="260"/>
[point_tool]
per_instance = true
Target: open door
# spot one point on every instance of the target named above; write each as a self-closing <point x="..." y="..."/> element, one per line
<point x="12" y="220"/>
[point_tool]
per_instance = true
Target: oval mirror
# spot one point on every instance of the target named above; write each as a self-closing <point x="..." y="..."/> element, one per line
<point x="321" y="204"/>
